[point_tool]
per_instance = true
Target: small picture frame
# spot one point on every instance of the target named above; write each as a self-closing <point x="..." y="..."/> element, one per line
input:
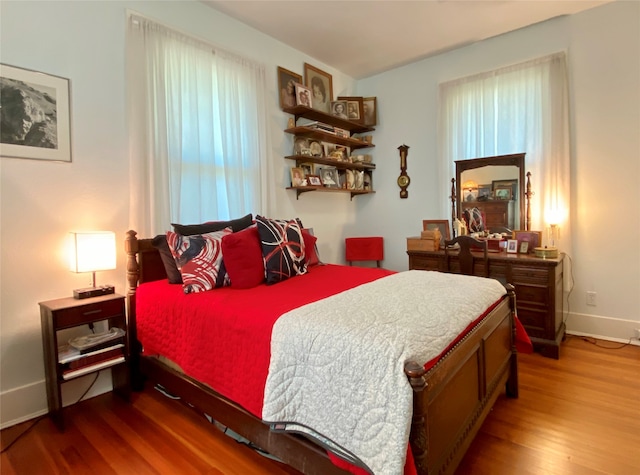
<point x="524" y="247"/>
<point x="297" y="177"/>
<point x="330" y="177"/>
<point x="317" y="150"/>
<point x="503" y="193"/>
<point x="354" y="108"/>
<point x="300" y="144"/>
<point x="441" y="224"/>
<point x="370" y="111"/>
<point x="314" y="180"/>
<point x="307" y="168"/>
<point x="512" y="246"/>
<point x="287" y="86"/>
<point x="303" y="95"/>
<point x="339" y="109"/>
<point x="533" y="238"/>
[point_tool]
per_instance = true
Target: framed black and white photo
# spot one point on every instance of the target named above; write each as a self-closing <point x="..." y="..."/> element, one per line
<point x="303" y="95"/>
<point x="354" y="108"/>
<point x="287" y="86"/>
<point x="370" y="111"/>
<point x="36" y="115"/>
<point x="512" y="246"/>
<point x="320" y="84"/>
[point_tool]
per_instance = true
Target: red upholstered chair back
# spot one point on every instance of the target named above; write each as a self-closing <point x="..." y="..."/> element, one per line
<point x="364" y="249"/>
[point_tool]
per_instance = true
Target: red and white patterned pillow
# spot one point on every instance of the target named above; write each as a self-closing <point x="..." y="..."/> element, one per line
<point x="282" y="248"/>
<point x="199" y="259"/>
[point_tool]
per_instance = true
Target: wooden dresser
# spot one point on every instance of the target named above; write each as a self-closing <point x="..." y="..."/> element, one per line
<point x="539" y="290"/>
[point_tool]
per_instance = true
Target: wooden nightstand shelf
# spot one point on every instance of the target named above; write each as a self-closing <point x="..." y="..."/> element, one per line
<point x="66" y="313"/>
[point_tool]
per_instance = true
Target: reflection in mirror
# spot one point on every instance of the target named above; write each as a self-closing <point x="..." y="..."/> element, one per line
<point x="493" y="185"/>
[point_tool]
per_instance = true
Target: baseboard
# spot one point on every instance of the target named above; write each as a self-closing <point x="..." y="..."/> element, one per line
<point x="604" y="328"/>
<point x="30" y="401"/>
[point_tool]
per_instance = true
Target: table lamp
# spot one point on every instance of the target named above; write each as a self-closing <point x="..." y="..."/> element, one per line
<point x="92" y="251"/>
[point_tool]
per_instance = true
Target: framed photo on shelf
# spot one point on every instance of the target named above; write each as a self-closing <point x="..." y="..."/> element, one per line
<point x="354" y="108"/>
<point x="524" y="247"/>
<point x="370" y="111"/>
<point x="440" y="224"/>
<point x="512" y="246"/>
<point x="339" y="109"/>
<point x="320" y="83"/>
<point x="307" y="168"/>
<point x="297" y="176"/>
<point x="41" y="95"/>
<point x="330" y="178"/>
<point x="314" y="180"/>
<point x="303" y="95"/>
<point x="300" y="144"/>
<point x="287" y="86"/>
<point x="532" y="238"/>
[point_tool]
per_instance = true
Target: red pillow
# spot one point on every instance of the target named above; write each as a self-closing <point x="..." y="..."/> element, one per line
<point x="310" y="248"/>
<point x="242" y="254"/>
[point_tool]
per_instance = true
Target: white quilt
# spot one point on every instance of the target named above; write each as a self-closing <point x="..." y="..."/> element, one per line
<point x="337" y="365"/>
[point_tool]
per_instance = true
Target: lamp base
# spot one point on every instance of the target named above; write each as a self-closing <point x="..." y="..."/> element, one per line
<point x="93" y="291"/>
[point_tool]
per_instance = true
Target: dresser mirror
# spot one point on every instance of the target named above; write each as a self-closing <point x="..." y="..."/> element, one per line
<point x="495" y="186"/>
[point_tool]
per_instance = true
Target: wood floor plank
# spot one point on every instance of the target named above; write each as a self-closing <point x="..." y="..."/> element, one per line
<point x="579" y="415"/>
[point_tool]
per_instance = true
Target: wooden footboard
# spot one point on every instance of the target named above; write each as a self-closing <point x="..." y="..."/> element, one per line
<point x="451" y="400"/>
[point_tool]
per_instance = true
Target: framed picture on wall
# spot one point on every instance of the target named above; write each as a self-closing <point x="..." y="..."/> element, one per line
<point x="320" y="84"/>
<point x="370" y="111"/>
<point x="36" y="115"/>
<point x="287" y="86"/>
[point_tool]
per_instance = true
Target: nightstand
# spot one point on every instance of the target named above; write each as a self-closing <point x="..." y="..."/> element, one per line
<point x="61" y="366"/>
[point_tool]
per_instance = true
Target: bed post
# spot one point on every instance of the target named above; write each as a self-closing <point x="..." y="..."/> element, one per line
<point x="512" y="382"/>
<point x="419" y="433"/>
<point x="133" y="274"/>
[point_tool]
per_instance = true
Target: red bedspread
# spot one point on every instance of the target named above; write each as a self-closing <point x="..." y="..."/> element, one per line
<point x="209" y="332"/>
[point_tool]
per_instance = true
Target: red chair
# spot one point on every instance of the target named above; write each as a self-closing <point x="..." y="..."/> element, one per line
<point x="364" y="249"/>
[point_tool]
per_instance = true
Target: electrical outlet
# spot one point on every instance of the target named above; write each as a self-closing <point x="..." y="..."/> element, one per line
<point x="591" y="298"/>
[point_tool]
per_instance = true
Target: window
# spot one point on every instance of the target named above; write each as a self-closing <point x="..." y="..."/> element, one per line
<point x="197" y="127"/>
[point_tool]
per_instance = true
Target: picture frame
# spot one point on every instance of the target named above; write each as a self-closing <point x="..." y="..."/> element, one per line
<point x="512" y="246"/>
<point x="317" y="150"/>
<point x="503" y="193"/>
<point x="484" y="192"/>
<point x="307" y="168"/>
<point x="370" y="111"/>
<point x="355" y="109"/>
<point x="303" y="96"/>
<point x="523" y="248"/>
<point x="440" y="224"/>
<point x="330" y="177"/>
<point x="339" y="109"/>
<point x="297" y="177"/>
<point x="320" y="84"/>
<point x="513" y="183"/>
<point x="49" y="98"/>
<point x="533" y="238"/>
<point x="314" y="180"/>
<point x="287" y="86"/>
<point x="300" y="144"/>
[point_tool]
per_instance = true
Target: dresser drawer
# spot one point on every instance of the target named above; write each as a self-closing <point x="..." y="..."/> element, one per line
<point x="424" y="263"/>
<point x="88" y="313"/>
<point x="529" y="275"/>
<point x="532" y="295"/>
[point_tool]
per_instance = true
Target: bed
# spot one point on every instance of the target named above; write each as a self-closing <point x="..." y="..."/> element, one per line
<point x="451" y="395"/>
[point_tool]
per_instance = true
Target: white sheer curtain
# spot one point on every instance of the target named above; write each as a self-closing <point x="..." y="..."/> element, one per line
<point x="521" y="108"/>
<point x="197" y="122"/>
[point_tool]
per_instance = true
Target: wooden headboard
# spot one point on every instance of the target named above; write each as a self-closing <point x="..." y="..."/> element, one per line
<point x="143" y="262"/>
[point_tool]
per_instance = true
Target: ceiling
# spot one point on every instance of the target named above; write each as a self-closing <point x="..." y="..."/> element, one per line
<point x="364" y="37"/>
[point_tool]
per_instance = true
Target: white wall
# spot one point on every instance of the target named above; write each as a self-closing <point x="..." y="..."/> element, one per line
<point x="84" y="41"/>
<point x="42" y="201"/>
<point x="603" y="47"/>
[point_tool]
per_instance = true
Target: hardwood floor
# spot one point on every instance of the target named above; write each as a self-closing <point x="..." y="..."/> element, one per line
<point x="576" y="415"/>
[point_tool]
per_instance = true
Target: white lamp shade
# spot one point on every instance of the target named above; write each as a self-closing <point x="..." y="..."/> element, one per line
<point x="92" y="251"/>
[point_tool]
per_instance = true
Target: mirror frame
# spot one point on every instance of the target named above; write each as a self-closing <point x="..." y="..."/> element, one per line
<point x="516" y="159"/>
